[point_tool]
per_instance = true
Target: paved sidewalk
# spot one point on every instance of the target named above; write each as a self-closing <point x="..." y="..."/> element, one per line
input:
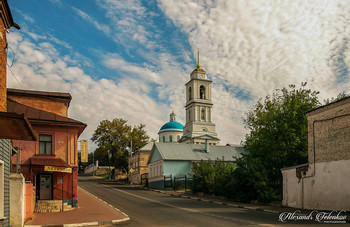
<point x="91" y="211"/>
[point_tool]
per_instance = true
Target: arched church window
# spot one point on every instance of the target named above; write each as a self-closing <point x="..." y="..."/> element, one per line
<point x="178" y="137"/>
<point x="163" y="138"/>
<point x="189" y="93"/>
<point x="202" y="92"/>
<point x="170" y="138"/>
<point x="203" y="114"/>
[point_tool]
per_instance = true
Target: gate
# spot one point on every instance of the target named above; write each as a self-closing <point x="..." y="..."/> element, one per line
<point x="168" y="181"/>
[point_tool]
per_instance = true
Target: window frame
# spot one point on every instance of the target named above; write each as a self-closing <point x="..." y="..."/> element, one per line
<point x="45" y="143"/>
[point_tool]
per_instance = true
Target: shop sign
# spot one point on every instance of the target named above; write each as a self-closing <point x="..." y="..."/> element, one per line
<point x="58" y="169"/>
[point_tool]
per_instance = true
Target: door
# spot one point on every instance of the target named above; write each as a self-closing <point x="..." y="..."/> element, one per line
<point x="45" y="187"/>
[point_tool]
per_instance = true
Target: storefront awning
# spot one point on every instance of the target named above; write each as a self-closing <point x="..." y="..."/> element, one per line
<point x="15" y="126"/>
<point x="48" y="161"/>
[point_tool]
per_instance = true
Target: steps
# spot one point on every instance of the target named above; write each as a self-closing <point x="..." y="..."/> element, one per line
<point x="43" y="206"/>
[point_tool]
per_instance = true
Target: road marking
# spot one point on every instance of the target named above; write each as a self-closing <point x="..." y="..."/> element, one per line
<point x="185" y="209"/>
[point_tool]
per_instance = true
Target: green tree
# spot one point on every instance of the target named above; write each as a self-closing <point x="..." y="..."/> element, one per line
<point x="278" y="138"/>
<point x="340" y="96"/>
<point x="114" y="138"/>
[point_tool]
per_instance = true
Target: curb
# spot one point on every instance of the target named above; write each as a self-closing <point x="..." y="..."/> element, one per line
<point x="210" y="201"/>
<point x="89" y="223"/>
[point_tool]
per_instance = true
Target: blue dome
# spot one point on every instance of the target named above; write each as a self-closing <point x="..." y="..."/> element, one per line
<point x="172" y="125"/>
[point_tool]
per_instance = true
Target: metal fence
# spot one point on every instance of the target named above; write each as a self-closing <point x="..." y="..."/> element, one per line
<point x="144" y="179"/>
<point x="168" y="181"/>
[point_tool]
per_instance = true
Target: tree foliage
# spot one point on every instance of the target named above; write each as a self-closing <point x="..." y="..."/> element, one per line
<point x="340" y="96"/>
<point x="213" y="177"/>
<point x="113" y="139"/>
<point x="278" y="138"/>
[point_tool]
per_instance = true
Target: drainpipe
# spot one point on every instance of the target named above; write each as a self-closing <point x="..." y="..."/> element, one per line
<point x="62" y="193"/>
<point x="206" y="146"/>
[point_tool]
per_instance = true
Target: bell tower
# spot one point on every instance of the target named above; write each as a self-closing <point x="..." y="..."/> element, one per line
<point x="199" y="127"/>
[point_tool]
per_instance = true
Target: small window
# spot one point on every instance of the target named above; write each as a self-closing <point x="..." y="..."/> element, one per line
<point x="202" y="92"/>
<point x="170" y="138"/>
<point x="203" y="114"/>
<point x="163" y="138"/>
<point x="178" y="137"/>
<point x="189" y="93"/>
<point x="45" y="144"/>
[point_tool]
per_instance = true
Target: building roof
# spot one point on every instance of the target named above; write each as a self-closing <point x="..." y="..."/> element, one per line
<point x="42" y="160"/>
<point x="328" y="106"/>
<point x="6" y="16"/>
<point x="36" y="116"/>
<point x="62" y="95"/>
<point x="196" y="152"/>
<point x="147" y="147"/>
<point x="172" y="125"/>
<point x="15" y="126"/>
<point x="66" y="97"/>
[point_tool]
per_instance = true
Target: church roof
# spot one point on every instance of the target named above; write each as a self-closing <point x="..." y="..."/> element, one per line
<point x="172" y="125"/>
<point x="196" y="152"/>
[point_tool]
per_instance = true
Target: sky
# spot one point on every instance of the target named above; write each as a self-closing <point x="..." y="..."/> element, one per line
<point x="131" y="59"/>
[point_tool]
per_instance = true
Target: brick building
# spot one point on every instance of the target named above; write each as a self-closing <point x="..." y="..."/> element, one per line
<point x="51" y="163"/>
<point x="138" y="163"/>
<point x="12" y="126"/>
<point x="323" y="183"/>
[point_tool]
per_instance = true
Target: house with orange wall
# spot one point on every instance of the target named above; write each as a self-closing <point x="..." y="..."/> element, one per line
<point x="51" y="163"/>
<point x="12" y="125"/>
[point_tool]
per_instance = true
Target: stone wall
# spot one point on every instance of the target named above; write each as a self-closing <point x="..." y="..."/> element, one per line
<point x="17" y="188"/>
<point x="329" y="132"/>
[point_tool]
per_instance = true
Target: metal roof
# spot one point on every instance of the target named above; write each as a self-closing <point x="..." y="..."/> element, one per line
<point x="172" y="125"/>
<point x="196" y="152"/>
<point x="15" y="126"/>
<point x="36" y="116"/>
<point x="147" y="147"/>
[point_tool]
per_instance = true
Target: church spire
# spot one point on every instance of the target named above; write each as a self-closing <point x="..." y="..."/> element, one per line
<point x="198" y="66"/>
<point x="173" y="116"/>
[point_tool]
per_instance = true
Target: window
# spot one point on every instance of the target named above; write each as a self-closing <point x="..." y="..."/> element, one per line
<point x="189" y="93"/>
<point x="203" y="114"/>
<point x="202" y="92"/>
<point x="163" y="138"/>
<point x="45" y="144"/>
<point x="178" y="137"/>
<point x="170" y="138"/>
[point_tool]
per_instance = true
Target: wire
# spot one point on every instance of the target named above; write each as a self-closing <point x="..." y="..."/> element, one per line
<point x="13" y="56"/>
<point x="14" y="76"/>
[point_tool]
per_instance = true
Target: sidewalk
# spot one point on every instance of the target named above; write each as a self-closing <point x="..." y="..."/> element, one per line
<point x="90" y="212"/>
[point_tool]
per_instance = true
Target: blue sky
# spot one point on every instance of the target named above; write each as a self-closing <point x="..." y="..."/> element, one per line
<point x="131" y="59"/>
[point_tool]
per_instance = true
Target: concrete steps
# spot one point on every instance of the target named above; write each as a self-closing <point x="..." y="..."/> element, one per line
<point x="43" y="206"/>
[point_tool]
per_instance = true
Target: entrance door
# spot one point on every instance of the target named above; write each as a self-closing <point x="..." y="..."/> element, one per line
<point x="45" y="187"/>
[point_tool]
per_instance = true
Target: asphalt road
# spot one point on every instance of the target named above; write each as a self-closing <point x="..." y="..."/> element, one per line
<point x="149" y="208"/>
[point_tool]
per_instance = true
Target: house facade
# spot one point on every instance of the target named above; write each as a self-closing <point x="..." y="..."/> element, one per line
<point x="138" y="164"/>
<point x="323" y="183"/>
<point x="176" y="159"/>
<point x="12" y="125"/>
<point x="51" y="163"/>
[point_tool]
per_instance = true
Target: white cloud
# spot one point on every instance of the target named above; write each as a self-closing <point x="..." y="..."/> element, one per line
<point x="248" y="48"/>
<point x="38" y="67"/>
<point x="88" y="18"/>
<point x="260" y="46"/>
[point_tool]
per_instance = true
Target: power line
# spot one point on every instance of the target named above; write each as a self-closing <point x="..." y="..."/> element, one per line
<point x="14" y="76"/>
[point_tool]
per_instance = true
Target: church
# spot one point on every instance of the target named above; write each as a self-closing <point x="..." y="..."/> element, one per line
<point x="179" y="146"/>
